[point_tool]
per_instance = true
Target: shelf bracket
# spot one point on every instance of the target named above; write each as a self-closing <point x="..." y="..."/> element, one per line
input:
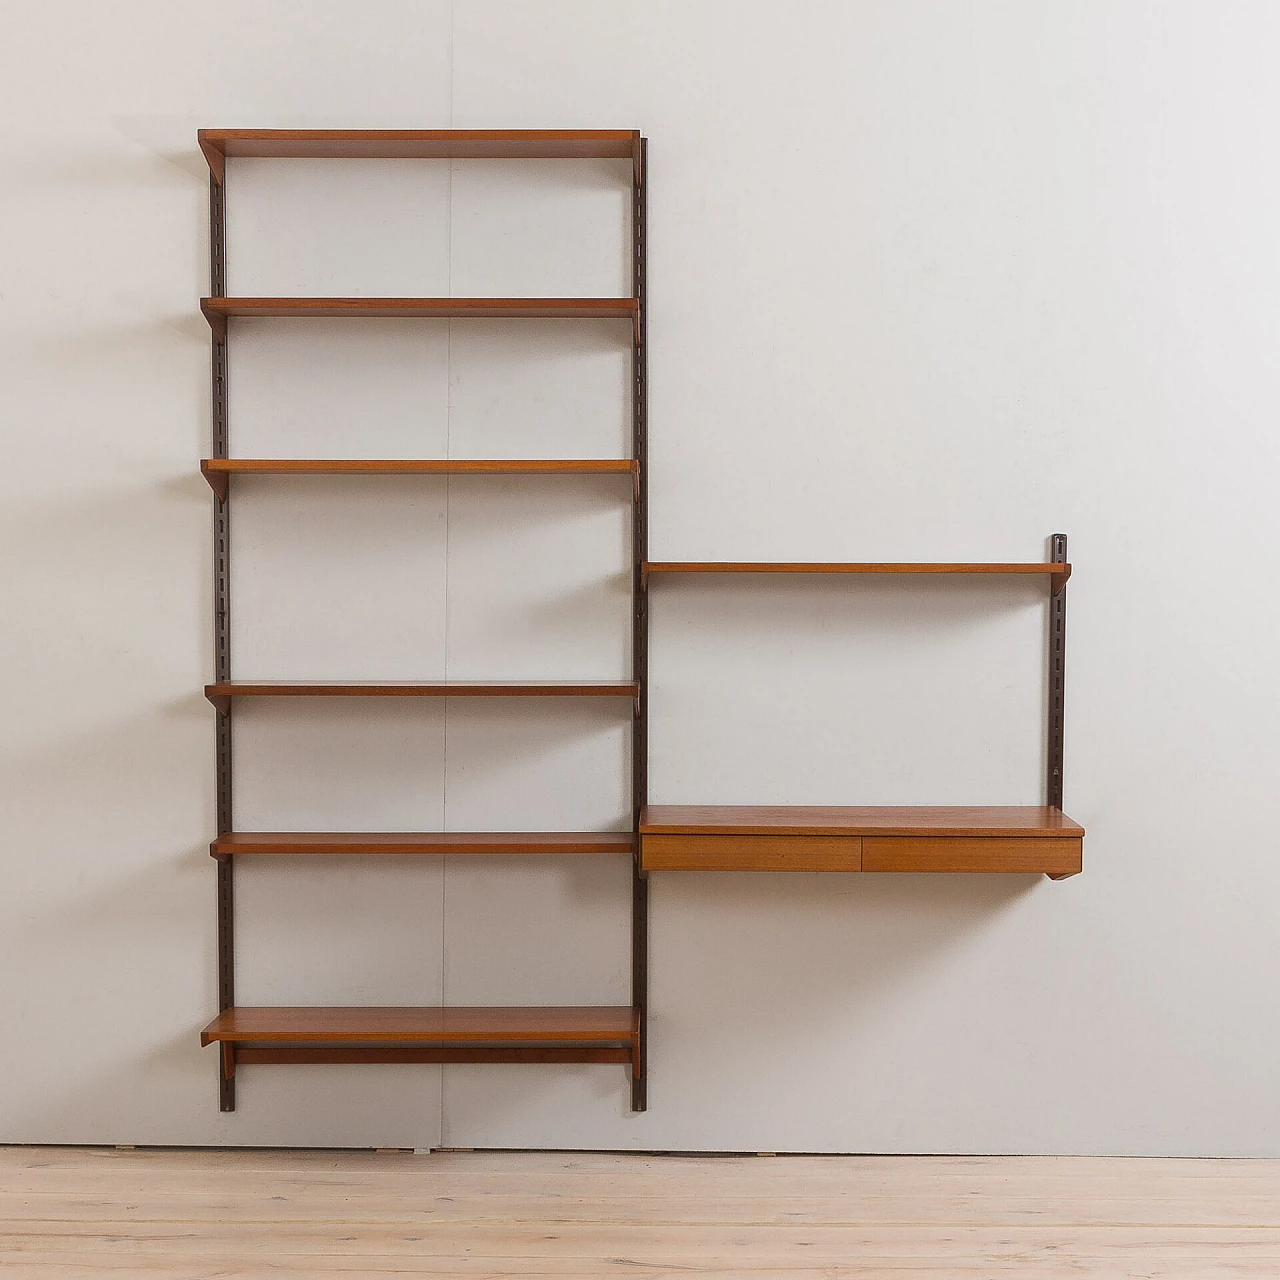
<point x="217" y="321"/>
<point x="215" y="157"/>
<point x="218" y="480"/>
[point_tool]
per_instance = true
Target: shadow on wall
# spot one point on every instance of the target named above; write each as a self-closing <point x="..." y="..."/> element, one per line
<point x="787" y="984"/>
<point x="770" y="987"/>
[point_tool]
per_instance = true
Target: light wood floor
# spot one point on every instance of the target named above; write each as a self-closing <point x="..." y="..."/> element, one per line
<point x="261" y="1215"/>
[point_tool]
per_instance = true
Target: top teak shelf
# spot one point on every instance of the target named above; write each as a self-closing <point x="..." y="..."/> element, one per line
<point x="417" y="144"/>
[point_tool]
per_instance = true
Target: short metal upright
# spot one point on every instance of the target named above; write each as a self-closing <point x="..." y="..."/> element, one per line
<point x="1057" y="681"/>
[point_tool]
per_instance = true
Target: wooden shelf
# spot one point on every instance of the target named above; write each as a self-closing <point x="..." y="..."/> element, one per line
<point x="240" y="843"/>
<point x="416" y="144"/>
<point x="1030" y="821"/>
<point x="221" y="694"/>
<point x="425" y="1034"/>
<point x="1027" y="839"/>
<point x="1058" y="573"/>
<point x="217" y="470"/>
<point x="217" y="310"/>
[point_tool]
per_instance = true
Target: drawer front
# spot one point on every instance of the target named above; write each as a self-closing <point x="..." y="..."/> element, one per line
<point x="750" y="853"/>
<point x="1049" y="856"/>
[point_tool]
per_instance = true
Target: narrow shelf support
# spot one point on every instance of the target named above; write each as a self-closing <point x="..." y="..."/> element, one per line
<point x="222" y="635"/>
<point x="217" y="478"/>
<point x="1057" y="681"/>
<point x="640" y="624"/>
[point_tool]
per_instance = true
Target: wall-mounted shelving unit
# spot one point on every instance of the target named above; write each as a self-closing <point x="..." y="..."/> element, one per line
<point x="475" y="1034"/>
<point x="1010" y="839"/>
<point x="1017" y="839"/>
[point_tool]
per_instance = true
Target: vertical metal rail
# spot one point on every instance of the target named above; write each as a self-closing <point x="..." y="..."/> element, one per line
<point x="1057" y="677"/>
<point x="640" y="631"/>
<point x="222" y="628"/>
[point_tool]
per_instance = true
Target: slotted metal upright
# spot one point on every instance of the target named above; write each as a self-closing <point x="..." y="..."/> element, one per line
<point x="448" y="1035"/>
<point x="1057" y="681"/>
<point x="640" y="621"/>
<point x="222" y="633"/>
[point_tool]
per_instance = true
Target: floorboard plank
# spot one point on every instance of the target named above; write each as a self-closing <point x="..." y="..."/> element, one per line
<point x="160" y="1214"/>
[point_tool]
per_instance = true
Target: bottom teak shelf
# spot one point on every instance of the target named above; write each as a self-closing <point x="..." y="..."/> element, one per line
<point x="593" y="1033"/>
<point x="1025" y="839"/>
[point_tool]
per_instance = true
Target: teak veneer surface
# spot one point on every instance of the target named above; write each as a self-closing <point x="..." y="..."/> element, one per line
<point x="217" y="309"/>
<point x="1059" y="572"/>
<point x="422" y="842"/>
<point x="422" y="689"/>
<point x="217" y="470"/>
<point x="1050" y="856"/>
<point x="411" y="466"/>
<point x="1022" y="821"/>
<point x="424" y="1025"/>
<point x="750" y="853"/>
<point x="416" y="144"/>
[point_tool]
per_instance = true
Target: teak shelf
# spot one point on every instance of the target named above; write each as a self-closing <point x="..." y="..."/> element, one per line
<point x="662" y="838"/>
<point x="217" y="310"/>
<point x="598" y="1035"/>
<point x="593" y="1033"/>
<point x="416" y="144"/>
<point x="1057" y="573"/>
<point x="382" y="843"/>
<point x="217" y="470"/>
<point x="220" y="694"/>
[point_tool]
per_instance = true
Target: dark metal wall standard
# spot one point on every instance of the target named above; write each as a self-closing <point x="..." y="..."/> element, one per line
<point x="640" y="631"/>
<point x="222" y="629"/>
<point x="1057" y="679"/>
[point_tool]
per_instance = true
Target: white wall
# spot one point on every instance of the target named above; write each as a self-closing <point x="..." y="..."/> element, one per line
<point x="928" y="281"/>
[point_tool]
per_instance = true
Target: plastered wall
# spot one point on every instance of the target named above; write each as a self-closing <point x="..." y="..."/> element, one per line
<point x="928" y="281"/>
